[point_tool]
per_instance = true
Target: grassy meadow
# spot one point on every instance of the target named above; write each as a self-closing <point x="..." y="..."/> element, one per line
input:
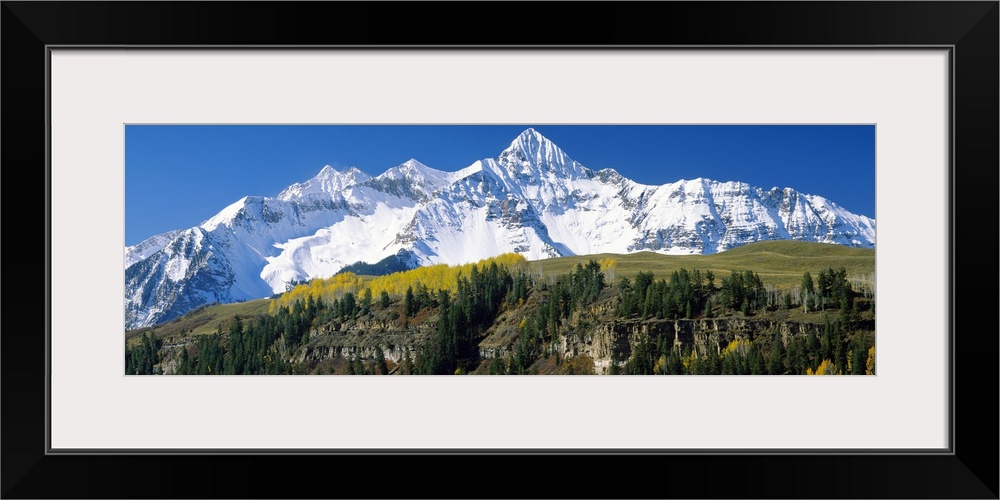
<point x="778" y="263"/>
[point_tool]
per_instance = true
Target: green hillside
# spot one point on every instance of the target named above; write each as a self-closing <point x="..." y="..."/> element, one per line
<point x="779" y="263"/>
<point x="203" y="320"/>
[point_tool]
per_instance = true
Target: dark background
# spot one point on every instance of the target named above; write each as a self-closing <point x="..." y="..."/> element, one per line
<point x="971" y="472"/>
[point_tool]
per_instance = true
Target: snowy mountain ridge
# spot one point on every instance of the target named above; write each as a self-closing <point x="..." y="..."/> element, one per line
<point x="532" y="199"/>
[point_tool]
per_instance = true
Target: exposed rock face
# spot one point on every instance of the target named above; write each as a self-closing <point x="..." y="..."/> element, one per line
<point x="363" y="339"/>
<point x="610" y="339"/>
<point x="593" y="333"/>
<point x="617" y="339"/>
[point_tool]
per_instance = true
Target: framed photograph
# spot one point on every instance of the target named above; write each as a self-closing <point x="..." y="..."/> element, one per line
<point x="156" y="117"/>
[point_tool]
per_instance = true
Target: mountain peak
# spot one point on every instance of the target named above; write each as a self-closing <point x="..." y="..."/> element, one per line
<point x="411" y="179"/>
<point x="531" y="134"/>
<point x="529" y="141"/>
<point x="413" y="166"/>
<point x="328" y="170"/>
<point x="327" y="183"/>
<point x="533" y="155"/>
<point x="411" y="169"/>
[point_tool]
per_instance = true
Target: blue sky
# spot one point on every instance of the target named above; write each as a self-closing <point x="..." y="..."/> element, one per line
<point x="176" y="176"/>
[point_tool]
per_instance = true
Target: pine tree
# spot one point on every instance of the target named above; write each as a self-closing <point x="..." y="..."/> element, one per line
<point x="859" y="356"/>
<point x="711" y="364"/>
<point x="348" y="306"/>
<point x="366" y="302"/>
<point x="408" y="305"/>
<point x="497" y="367"/>
<point x="379" y="363"/>
<point x="755" y="361"/>
<point x="446" y="343"/>
<point x="730" y="363"/>
<point x="183" y="366"/>
<point x="775" y="361"/>
<point x="674" y="364"/>
<point x="407" y="368"/>
<point x="813" y="347"/>
<point x="839" y="348"/>
<point x="807" y="292"/>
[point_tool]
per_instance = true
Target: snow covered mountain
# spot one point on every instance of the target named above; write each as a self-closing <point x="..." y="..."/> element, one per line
<point x="532" y="199"/>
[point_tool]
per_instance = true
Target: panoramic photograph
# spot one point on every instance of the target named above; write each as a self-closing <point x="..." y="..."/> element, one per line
<point x="499" y="250"/>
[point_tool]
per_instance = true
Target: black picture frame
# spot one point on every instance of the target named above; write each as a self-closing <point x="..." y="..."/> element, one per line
<point x="969" y="28"/>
